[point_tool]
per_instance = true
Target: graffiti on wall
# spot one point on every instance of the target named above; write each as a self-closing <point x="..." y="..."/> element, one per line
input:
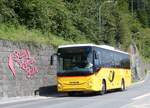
<point x="25" y="62"/>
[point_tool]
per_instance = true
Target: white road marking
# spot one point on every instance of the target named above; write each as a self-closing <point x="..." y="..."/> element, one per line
<point x="142" y="96"/>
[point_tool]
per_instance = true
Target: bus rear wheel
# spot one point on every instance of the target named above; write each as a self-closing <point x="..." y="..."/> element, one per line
<point x="122" y="85"/>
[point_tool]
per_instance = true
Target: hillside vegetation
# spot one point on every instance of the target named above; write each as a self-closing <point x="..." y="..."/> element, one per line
<point x="77" y="21"/>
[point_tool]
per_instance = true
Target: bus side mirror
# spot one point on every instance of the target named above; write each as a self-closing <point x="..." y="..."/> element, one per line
<point x="52" y="59"/>
<point x="96" y="69"/>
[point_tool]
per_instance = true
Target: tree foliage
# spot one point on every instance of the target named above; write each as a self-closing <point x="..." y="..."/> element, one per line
<point x="122" y="21"/>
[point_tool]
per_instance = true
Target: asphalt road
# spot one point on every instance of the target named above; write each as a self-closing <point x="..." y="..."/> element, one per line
<point x="137" y="96"/>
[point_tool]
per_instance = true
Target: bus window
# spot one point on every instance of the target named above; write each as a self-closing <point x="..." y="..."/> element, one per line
<point x="75" y="60"/>
<point x="96" y="61"/>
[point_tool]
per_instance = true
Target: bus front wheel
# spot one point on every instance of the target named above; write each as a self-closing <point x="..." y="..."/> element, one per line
<point x="71" y="93"/>
<point x="103" y="89"/>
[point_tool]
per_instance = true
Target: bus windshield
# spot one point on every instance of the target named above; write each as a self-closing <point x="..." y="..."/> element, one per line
<point x="75" y="60"/>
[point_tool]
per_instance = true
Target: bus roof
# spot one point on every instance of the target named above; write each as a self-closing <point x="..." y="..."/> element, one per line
<point x="93" y="45"/>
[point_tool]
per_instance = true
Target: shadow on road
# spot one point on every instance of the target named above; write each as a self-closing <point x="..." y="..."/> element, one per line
<point x="46" y="91"/>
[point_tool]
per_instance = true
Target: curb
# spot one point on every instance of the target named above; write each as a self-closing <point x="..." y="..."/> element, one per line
<point x="141" y="82"/>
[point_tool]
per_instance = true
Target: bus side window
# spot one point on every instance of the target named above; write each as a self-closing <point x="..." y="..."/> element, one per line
<point x="96" y="57"/>
<point x="96" y="60"/>
<point x="100" y="58"/>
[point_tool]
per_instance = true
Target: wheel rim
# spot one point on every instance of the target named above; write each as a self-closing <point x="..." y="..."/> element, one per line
<point x="122" y="86"/>
<point x="103" y="88"/>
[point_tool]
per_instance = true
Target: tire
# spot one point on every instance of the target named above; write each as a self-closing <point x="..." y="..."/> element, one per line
<point x="122" y="88"/>
<point x="103" y="91"/>
<point x="75" y="93"/>
<point x="71" y="93"/>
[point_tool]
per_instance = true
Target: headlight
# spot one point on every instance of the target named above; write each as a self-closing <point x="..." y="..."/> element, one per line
<point x="59" y="85"/>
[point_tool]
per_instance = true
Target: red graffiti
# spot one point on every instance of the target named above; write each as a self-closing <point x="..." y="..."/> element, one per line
<point x="25" y="62"/>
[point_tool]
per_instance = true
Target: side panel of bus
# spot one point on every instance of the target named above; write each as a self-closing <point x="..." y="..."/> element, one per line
<point x="113" y="77"/>
<point x="114" y="68"/>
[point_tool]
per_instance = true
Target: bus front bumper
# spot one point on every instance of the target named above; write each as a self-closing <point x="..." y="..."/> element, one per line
<point x="80" y="87"/>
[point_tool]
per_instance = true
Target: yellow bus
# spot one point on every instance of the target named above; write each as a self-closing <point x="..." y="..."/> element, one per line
<point x="92" y="68"/>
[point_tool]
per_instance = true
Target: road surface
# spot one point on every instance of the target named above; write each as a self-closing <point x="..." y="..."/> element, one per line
<point x="137" y="96"/>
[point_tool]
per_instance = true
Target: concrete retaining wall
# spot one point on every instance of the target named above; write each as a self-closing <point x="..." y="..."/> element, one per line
<point x="24" y="68"/>
<point x="138" y="66"/>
